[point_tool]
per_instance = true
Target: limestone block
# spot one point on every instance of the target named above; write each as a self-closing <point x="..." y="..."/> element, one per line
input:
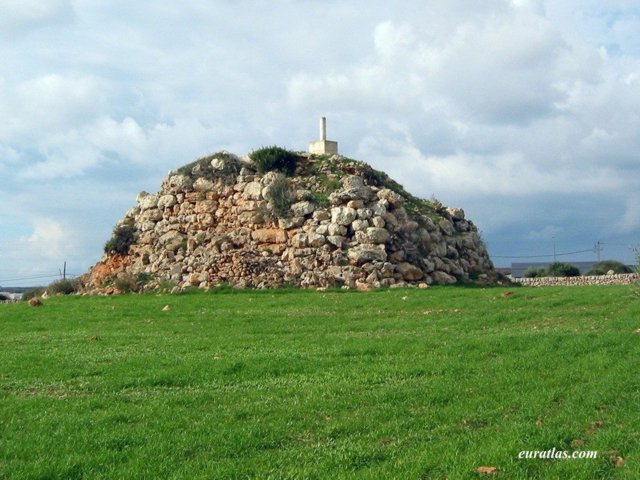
<point x="409" y="272"/>
<point x="321" y="215"/>
<point x="146" y="201"/>
<point x="253" y="191"/>
<point x="377" y="235"/>
<point x="360" y="225"/>
<point x="336" y="240"/>
<point x="203" y="185"/>
<point x="337" y="229"/>
<point x="446" y="226"/>
<point x="300" y="209"/>
<point x="443" y="278"/>
<point x="367" y="253"/>
<point x="300" y="240"/>
<point x="378" y="221"/>
<point x="179" y="183"/>
<point x="269" y="235"/>
<point x="456" y="213"/>
<point x="343" y="215"/>
<point x="167" y="201"/>
<point x="316" y="240"/>
<point x="289" y="223"/>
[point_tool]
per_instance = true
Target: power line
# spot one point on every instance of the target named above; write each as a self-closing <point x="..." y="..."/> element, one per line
<point x="542" y="256"/>
<point x="35" y="277"/>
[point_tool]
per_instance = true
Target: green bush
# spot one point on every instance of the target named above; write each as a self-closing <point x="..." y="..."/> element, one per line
<point x="279" y="195"/>
<point x="269" y="159"/>
<point x="63" y="287"/>
<point x="533" y="272"/>
<point x="123" y="237"/>
<point x="559" y="269"/>
<point x="126" y="284"/>
<point x="601" y="268"/>
<point x="33" y="293"/>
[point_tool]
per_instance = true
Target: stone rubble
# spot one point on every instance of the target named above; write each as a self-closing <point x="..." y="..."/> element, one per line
<point x="222" y="223"/>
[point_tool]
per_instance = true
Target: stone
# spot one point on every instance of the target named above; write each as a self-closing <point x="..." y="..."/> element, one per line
<point x="171" y="240"/>
<point x="394" y="199"/>
<point x="352" y="182"/>
<point x="336" y="229"/>
<point x="289" y="223"/>
<point x="446" y="226"/>
<point x="180" y="183"/>
<point x="367" y="253"/>
<point x="456" y="213"/>
<point x="316" y="240"/>
<point x="269" y="235"/>
<point x="300" y="240"/>
<point x="409" y="272"/>
<point x="321" y="215"/>
<point x="377" y="235"/>
<point x="336" y="240"/>
<point x="201" y="230"/>
<point x="378" y="221"/>
<point x="343" y="215"/>
<point x="301" y="209"/>
<point x="146" y="201"/>
<point x="203" y="185"/>
<point x="253" y="191"/>
<point x="167" y="201"/>
<point x="360" y="225"/>
<point x="443" y="278"/>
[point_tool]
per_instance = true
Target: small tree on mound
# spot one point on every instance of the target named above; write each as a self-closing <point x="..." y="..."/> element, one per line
<point x="123" y="237"/>
<point x="601" y="268"/>
<point x="269" y="159"/>
<point x="63" y="287"/>
<point x="560" y="269"/>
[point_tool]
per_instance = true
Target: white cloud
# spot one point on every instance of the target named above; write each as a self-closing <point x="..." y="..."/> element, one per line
<point x="512" y="109"/>
<point x="24" y="14"/>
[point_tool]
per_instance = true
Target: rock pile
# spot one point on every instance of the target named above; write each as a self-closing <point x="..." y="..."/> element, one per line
<point x="336" y="222"/>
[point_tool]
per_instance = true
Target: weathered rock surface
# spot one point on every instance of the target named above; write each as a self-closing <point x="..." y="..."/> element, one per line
<point x="335" y="223"/>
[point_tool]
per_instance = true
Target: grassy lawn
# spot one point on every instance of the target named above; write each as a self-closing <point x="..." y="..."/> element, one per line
<point x="391" y="384"/>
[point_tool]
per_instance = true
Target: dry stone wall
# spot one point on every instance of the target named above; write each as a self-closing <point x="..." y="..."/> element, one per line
<point x="614" y="279"/>
<point x="335" y="223"/>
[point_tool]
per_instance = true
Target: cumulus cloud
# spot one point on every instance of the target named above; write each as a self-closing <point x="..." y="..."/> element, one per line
<point x="512" y="109"/>
<point x="28" y="14"/>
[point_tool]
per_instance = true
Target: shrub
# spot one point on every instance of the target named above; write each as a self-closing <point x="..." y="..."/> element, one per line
<point x="279" y="195"/>
<point x="601" y="268"/>
<point x="269" y="159"/>
<point x="559" y="269"/>
<point x="123" y="237"/>
<point x="33" y="293"/>
<point x="126" y="284"/>
<point x="63" y="287"/>
<point x="533" y="272"/>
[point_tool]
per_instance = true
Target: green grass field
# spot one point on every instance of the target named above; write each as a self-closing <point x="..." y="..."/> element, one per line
<point x="406" y="384"/>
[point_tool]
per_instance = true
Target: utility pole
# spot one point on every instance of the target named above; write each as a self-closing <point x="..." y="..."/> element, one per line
<point x="598" y="247"/>
<point x="554" y="248"/>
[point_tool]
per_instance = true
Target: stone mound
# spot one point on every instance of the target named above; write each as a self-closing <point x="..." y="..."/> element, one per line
<point x="335" y="223"/>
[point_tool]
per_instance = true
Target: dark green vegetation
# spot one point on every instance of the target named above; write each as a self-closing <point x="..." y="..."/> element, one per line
<point x="270" y="159"/>
<point x="601" y="268"/>
<point x="278" y="384"/>
<point x="556" y="269"/>
<point x="122" y="238"/>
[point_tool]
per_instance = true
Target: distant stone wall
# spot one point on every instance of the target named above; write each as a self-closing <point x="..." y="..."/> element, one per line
<point x="616" y="279"/>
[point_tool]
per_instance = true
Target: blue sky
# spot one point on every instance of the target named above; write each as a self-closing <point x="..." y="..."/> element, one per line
<point x="523" y="112"/>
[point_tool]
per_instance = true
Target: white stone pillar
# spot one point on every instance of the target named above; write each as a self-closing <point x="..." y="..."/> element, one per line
<point x="323" y="128"/>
